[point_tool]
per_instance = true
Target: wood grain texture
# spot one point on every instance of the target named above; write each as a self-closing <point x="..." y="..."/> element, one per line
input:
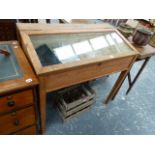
<point x="28" y="131"/>
<point x="17" y="97"/>
<point x="17" y="120"/>
<point x="18" y="100"/>
<point x="42" y="101"/>
<point x="30" y="52"/>
<point x="119" y="82"/>
<point x="45" y="27"/>
<point x="39" y="69"/>
<point x="144" y="51"/>
<point x="85" y="73"/>
<point x="54" y="77"/>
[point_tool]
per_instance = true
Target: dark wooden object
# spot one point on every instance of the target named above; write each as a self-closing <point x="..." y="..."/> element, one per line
<point x="8" y="29"/>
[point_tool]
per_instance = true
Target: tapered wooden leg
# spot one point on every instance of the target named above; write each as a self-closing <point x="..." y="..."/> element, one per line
<point x="129" y="80"/>
<point x="116" y="92"/>
<point x="119" y="82"/>
<point x="117" y="85"/>
<point x="42" y="96"/>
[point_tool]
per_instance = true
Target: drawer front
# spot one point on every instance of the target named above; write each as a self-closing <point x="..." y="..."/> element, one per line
<point x="17" y="120"/>
<point x="85" y="73"/>
<point x="27" y="131"/>
<point x="15" y="101"/>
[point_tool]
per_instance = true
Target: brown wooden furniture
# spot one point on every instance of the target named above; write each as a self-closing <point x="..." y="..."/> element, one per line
<point x="17" y="92"/>
<point x="145" y="53"/>
<point x="107" y="57"/>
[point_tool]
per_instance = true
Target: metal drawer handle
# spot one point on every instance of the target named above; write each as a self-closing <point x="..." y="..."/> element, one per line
<point x="11" y="103"/>
<point x="16" y="122"/>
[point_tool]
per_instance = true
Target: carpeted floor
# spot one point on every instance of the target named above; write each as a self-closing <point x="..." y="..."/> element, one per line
<point x="126" y="115"/>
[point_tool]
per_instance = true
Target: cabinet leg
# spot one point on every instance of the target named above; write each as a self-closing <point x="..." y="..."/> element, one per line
<point x="117" y="86"/>
<point x="138" y="74"/>
<point x="42" y="97"/>
<point x="119" y="82"/>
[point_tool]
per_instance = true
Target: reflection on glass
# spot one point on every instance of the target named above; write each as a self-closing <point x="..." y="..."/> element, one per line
<point x="64" y="52"/>
<point x="109" y="39"/>
<point x="98" y="43"/>
<point x="81" y="46"/>
<point x="118" y="39"/>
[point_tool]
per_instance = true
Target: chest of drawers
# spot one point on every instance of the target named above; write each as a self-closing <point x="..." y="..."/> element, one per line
<point x="18" y="96"/>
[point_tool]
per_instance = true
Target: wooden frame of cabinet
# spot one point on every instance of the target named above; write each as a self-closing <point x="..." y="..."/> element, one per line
<point x="19" y="83"/>
<point x="62" y="74"/>
<point x="18" y="98"/>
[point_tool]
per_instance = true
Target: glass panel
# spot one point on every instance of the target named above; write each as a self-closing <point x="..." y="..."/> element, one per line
<point x="65" y="48"/>
<point x="9" y="67"/>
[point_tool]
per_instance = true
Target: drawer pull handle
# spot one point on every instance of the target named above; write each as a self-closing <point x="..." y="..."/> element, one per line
<point x="16" y="122"/>
<point x="11" y="103"/>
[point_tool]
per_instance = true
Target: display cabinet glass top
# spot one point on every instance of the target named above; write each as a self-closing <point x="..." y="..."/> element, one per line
<point x="72" y="47"/>
<point x="9" y="67"/>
